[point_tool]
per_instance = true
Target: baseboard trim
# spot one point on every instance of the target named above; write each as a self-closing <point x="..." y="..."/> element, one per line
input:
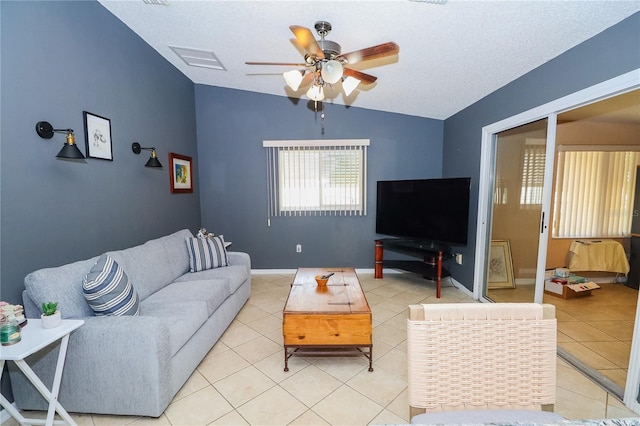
<point x="293" y="271"/>
<point x="453" y="282"/>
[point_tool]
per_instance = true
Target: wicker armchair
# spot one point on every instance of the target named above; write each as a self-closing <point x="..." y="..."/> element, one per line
<point x="481" y="362"/>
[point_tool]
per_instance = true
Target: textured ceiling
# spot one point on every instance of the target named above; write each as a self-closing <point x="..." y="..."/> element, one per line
<point x="451" y="55"/>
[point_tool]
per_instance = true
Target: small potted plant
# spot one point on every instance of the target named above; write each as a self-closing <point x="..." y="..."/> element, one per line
<point x="50" y="315"/>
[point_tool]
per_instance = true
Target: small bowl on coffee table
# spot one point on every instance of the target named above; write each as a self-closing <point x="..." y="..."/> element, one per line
<point x="322" y="282"/>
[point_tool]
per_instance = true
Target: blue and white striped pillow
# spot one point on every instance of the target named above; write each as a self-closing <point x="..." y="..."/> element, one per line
<point x="206" y="253"/>
<point x="108" y="291"/>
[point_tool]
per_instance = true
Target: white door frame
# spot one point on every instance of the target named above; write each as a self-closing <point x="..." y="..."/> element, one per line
<point x="632" y="388"/>
<point x="543" y="236"/>
<point x="606" y="89"/>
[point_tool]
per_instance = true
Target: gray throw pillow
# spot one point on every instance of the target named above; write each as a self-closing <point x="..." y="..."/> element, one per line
<point x="206" y="253"/>
<point x="108" y="291"/>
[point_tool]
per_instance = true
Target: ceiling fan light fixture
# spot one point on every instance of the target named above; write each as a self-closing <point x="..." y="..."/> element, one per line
<point x="293" y="78"/>
<point x="315" y="93"/>
<point x="325" y="64"/>
<point x="331" y="71"/>
<point x="349" y="85"/>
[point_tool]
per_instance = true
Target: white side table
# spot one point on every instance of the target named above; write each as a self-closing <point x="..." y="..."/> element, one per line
<point x="35" y="338"/>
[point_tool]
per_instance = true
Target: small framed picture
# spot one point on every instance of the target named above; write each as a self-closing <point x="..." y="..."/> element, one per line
<point x="180" y="172"/>
<point x="500" y="265"/>
<point x="97" y="136"/>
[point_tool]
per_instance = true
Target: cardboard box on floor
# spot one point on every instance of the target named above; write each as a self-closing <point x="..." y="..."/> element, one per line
<point x="569" y="291"/>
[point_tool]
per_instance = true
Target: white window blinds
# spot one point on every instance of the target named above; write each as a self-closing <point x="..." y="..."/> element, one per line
<point x="316" y="177"/>
<point x="594" y="192"/>
<point x="533" y="172"/>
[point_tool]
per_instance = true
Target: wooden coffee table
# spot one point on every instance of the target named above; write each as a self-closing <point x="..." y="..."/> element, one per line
<point x="334" y="320"/>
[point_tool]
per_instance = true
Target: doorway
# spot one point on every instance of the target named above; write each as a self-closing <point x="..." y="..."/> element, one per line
<point x="488" y="193"/>
<point x="595" y="331"/>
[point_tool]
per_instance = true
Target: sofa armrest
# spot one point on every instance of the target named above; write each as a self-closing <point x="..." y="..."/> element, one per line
<point x="30" y="308"/>
<point x="128" y="353"/>
<point x="239" y="258"/>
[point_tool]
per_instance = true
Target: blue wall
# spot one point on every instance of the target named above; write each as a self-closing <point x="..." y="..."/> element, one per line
<point x="231" y="127"/>
<point x="609" y="54"/>
<point x="59" y="59"/>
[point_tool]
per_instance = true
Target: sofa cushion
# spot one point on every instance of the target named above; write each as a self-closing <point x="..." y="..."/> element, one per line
<point x="156" y="263"/>
<point x="206" y="253"/>
<point x="234" y="276"/>
<point x="211" y="292"/>
<point x="108" y="289"/>
<point x="182" y="320"/>
<point x="62" y="284"/>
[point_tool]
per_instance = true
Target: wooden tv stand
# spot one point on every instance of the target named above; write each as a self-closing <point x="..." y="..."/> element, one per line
<point x="430" y="267"/>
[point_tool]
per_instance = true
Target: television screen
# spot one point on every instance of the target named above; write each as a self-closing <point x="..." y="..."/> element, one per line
<point x="434" y="210"/>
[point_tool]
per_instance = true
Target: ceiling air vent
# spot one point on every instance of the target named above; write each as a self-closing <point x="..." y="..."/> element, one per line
<point x="157" y="2"/>
<point x="198" y="58"/>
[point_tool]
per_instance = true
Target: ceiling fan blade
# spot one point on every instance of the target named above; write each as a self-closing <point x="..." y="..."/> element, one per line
<point x="289" y="64"/>
<point x="364" y="78"/>
<point x="373" y="52"/>
<point x="307" y="41"/>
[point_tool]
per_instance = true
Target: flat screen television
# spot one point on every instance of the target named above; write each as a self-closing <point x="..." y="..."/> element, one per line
<point x="429" y="210"/>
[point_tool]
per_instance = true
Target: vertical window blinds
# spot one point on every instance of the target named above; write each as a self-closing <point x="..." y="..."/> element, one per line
<point x="316" y="177"/>
<point x="594" y="191"/>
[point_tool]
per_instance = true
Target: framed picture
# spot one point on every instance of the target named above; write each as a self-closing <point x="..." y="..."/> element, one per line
<point x="180" y="172"/>
<point x="97" y="136"/>
<point x="500" y="265"/>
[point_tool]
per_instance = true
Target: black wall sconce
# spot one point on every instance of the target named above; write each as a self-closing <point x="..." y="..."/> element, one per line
<point x="70" y="149"/>
<point x="153" y="160"/>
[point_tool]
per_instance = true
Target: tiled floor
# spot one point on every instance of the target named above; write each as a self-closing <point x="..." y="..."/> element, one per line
<point x="597" y="330"/>
<point x="241" y="381"/>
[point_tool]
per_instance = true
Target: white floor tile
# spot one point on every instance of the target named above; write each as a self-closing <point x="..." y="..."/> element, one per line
<point x="243" y="386"/>
<point x="346" y="406"/>
<point x="245" y="368"/>
<point x="199" y="408"/>
<point x="310" y="385"/>
<point x="274" y="407"/>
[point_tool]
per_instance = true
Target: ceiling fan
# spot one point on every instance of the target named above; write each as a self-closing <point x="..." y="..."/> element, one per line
<point x="324" y="62"/>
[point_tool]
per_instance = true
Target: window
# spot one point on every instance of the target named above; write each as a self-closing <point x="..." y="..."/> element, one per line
<point x="315" y="177"/>
<point x="594" y="192"/>
<point x="533" y="172"/>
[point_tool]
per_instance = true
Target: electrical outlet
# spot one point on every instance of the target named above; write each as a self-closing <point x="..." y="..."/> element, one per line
<point x="459" y="258"/>
<point x="298" y="248"/>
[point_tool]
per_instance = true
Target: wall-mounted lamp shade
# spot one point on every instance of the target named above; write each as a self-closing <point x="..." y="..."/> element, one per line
<point x="349" y="85"/>
<point x="293" y="78"/>
<point x="69" y="150"/>
<point x="331" y="71"/>
<point x="153" y="160"/>
<point x="315" y="93"/>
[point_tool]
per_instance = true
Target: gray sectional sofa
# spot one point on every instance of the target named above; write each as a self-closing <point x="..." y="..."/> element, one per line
<point x="134" y="365"/>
